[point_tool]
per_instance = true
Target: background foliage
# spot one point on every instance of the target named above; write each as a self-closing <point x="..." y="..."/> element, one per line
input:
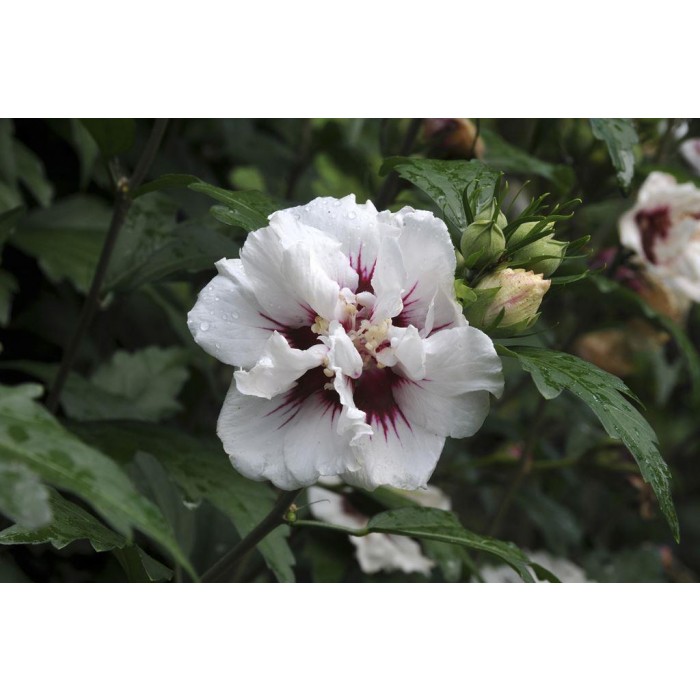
<point x="128" y="481"/>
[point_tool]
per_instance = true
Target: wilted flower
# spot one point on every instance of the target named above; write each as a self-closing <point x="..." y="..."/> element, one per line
<point x="377" y="551"/>
<point x="518" y="297"/>
<point x="663" y="229"/>
<point x="690" y="150"/>
<point x="355" y="358"/>
<point x="456" y="138"/>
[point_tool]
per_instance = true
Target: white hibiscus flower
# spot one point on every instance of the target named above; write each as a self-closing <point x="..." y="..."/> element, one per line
<point x="690" y="150"/>
<point x="663" y="229"/>
<point x="377" y="551"/>
<point x="355" y="359"/>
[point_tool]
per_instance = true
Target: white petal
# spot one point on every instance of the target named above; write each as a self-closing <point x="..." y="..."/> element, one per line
<point x="457" y="416"/>
<point x="429" y="260"/>
<point x="388" y="281"/>
<point x="379" y="552"/>
<point x="278" y="368"/>
<point x="354" y="226"/>
<point x="334" y="508"/>
<point x="352" y="423"/>
<point x="460" y="360"/>
<point x="407" y="351"/>
<point x="227" y="319"/>
<point x="399" y="454"/>
<point x="295" y="272"/>
<point x="343" y="355"/>
<point x="291" y="440"/>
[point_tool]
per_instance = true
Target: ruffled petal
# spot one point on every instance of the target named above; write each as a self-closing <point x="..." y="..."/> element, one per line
<point x="227" y="319"/>
<point x="406" y="351"/>
<point x="342" y="353"/>
<point x="278" y="368"/>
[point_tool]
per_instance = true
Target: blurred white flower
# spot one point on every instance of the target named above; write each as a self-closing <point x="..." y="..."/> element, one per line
<point x="355" y="358"/>
<point x="690" y="150"/>
<point x="565" y="570"/>
<point x="377" y="552"/>
<point x="663" y="229"/>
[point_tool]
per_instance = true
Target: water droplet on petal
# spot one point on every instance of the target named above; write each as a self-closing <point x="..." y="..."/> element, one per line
<point x="352" y="215"/>
<point x="234" y="315"/>
<point x="203" y="326"/>
<point x="192" y="505"/>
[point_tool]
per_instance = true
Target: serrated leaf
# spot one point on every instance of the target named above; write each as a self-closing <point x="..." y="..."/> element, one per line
<point x="620" y="137"/>
<point x="505" y="156"/>
<point x="66" y="239"/>
<point x="31" y="435"/>
<point x="203" y="472"/>
<point x="113" y="136"/>
<point x="23" y="498"/>
<point x="606" y="396"/>
<point x="249" y="210"/>
<point x="70" y="522"/>
<point x="446" y="181"/>
<point x="443" y="526"/>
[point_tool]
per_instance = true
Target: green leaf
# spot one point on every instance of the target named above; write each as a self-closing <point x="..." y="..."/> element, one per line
<point x="140" y="567"/>
<point x="147" y="380"/>
<point x="445" y="182"/>
<point x="113" y="136"/>
<point x="142" y="385"/>
<point x="685" y="345"/>
<point x="443" y="526"/>
<point x="8" y="221"/>
<point x="66" y="239"/>
<point x="152" y="245"/>
<point x="249" y="210"/>
<point x="203" y="472"/>
<point x="8" y="287"/>
<point x="605" y="395"/>
<point x="31" y="435"/>
<point x="23" y="498"/>
<point x="620" y="137"/>
<point x="504" y="156"/>
<point x="70" y="523"/>
<point x="31" y="173"/>
<point x="165" y="182"/>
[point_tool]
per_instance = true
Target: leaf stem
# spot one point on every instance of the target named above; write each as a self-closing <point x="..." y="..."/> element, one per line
<point x="122" y="203"/>
<point x="225" y="567"/>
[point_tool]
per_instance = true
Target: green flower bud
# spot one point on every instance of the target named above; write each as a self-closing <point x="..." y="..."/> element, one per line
<point x="482" y="243"/>
<point x="545" y="253"/>
<point x="517" y="300"/>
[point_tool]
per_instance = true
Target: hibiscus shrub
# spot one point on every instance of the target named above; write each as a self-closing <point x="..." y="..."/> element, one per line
<point x="349" y="350"/>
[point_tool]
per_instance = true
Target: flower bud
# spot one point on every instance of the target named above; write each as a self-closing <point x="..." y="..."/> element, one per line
<point x="547" y="248"/>
<point x="482" y="243"/>
<point x="519" y="296"/>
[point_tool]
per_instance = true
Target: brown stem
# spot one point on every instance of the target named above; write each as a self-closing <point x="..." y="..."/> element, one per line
<point x="225" y="567"/>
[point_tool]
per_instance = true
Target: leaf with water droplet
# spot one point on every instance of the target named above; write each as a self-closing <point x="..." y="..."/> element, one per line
<point x="607" y="396"/>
